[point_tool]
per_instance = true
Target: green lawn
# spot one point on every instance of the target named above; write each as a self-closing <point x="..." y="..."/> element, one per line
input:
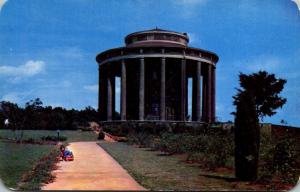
<point x="72" y="136"/>
<point x="163" y="172"/>
<point x="17" y="159"/>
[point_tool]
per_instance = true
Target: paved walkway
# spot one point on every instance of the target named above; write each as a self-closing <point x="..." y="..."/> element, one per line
<point x="92" y="169"/>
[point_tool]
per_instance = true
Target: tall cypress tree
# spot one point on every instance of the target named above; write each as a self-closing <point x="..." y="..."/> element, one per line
<point x="246" y="138"/>
<point x="258" y="97"/>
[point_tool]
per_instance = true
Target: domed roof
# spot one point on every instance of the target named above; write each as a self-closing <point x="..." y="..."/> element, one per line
<point x="156" y="37"/>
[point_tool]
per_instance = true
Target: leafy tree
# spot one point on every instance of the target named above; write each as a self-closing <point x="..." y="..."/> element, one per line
<point x="33" y="110"/>
<point x="34" y="104"/>
<point x="258" y="97"/>
<point x="35" y="116"/>
<point x="15" y="115"/>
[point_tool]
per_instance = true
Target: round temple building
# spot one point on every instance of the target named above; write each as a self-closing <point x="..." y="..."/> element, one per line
<point x="154" y="68"/>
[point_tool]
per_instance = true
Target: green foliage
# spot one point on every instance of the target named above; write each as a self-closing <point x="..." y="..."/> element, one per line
<point x="41" y="172"/>
<point x="36" y="116"/>
<point x="214" y="144"/>
<point x="53" y="138"/>
<point x="85" y="128"/>
<point x="246" y="139"/>
<point x="142" y="134"/>
<point x="219" y="149"/>
<point x="16" y="118"/>
<point x="118" y="129"/>
<point x="101" y="135"/>
<point x="265" y="89"/>
<point x="155" y="128"/>
<point x="72" y="136"/>
<point x="214" y="149"/>
<point x="172" y="143"/>
<point x="16" y="160"/>
<point x="266" y="153"/>
<point x="285" y="160"/>
<point x="257" y="97"/>
<point x="279" y="159"/>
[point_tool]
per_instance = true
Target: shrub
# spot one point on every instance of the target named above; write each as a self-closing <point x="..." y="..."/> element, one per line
<point x="101" y="135"/>
<point x="40" y="173"/>
<point x="217" y="146"/>
<point x="85" y="128"/>
<point x="266" y="154"/>
<point x="214" y="144"/>
<point x="284" y="160"/>
<point x="172" y="143"/>
<point x="279" y="159"/>
<point x="193" y="144"/>
<point x="29" y="140"/>
<point x="53" y="138"/>
<point x="118" y="129"/>
<point x="144" y="140"/>
<point x="219" y="150"/>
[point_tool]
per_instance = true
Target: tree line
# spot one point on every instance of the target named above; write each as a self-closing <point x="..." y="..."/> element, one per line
<point x="35" y="116"/>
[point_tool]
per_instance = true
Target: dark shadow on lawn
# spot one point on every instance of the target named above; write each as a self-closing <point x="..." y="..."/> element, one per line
<point x="150" y="149"/>
<point x="221" y="177"/>
<point x="164" y="154"/>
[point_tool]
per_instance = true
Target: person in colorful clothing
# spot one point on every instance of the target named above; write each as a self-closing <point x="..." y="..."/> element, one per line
<point x="66" y="154"/>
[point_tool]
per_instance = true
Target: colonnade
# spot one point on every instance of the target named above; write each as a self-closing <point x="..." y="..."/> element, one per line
<point x="203" y="104"/>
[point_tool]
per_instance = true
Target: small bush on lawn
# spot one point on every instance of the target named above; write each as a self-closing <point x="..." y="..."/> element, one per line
<point x="144" y="134"/>
<point x="53" y="138"/>
<point x="219" y="150"/>
<point x="101" y="136"/>
<point x="192" y="144"/>
<point x="41" y="172"/>
<point x="83" y="128"/>
<point x="30" y="140"/>
<point x="172" y="143"/>
<point x="119" y="129"/>
<point x="141" y="138"/>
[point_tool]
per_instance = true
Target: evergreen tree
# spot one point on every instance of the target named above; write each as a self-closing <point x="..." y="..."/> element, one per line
<point x="258" y="97"/>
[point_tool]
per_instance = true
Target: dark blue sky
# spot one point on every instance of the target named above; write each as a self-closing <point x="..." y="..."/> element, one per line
<point x="48" y="48"/>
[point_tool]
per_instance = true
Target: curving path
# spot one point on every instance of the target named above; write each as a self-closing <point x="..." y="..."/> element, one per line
<point x="92" y="169"/>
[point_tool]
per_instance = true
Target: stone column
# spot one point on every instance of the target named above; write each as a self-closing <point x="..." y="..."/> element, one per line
<point x="142" y="89"/>
<point x="103" y="92"/>
<point x="198" y="89"/>
<point x="109" y="95"/>
<point x="123" y="91"/>
<point x="163" y="89"/>
<point x="113" y="96"/>
<point x="100" y="92"/>
<point x="213" y="106"/>
<point x="209" y="92"/>
<point x="183" y="90"/>
<point x="204" y="98"/>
